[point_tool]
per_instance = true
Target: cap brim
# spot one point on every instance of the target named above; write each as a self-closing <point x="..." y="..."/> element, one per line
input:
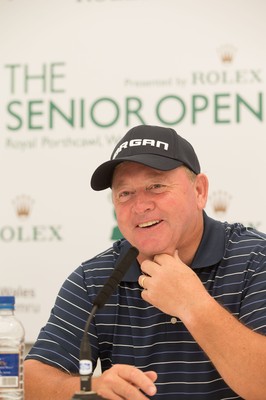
<point x="102" y="176"/>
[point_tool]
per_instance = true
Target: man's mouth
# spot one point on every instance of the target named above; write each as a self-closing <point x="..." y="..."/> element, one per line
<point x="149" y="223"/>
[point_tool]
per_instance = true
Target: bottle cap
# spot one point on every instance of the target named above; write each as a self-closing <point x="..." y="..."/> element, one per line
<point x="7" y="302"/>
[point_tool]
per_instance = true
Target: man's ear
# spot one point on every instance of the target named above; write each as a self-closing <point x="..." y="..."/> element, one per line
<point x="202" y="187"/>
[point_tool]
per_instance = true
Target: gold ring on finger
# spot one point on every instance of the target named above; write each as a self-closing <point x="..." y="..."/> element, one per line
<point x="142" y="281"/>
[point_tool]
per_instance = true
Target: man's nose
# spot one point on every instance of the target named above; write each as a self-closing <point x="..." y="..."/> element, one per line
<point x="143" y="202"/>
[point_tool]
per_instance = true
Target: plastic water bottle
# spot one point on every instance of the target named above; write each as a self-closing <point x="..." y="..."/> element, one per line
<point x="12" y="336"/>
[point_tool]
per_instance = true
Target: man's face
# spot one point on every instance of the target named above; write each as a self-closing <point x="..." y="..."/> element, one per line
<point x="159" y="211"/>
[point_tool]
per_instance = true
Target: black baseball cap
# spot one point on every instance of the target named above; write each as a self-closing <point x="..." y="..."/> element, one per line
<point x="154" y="146"/>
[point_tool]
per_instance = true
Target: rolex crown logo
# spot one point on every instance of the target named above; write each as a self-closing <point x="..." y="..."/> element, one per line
<point x="23" y="206"/>
<point x="227" y="54"/>
<point x="220" y="201"/>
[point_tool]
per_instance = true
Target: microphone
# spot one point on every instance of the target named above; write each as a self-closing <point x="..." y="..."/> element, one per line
<point x="85" y="363"/>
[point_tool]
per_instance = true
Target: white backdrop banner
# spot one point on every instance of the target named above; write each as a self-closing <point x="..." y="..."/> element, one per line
<point x="75" y="75"/>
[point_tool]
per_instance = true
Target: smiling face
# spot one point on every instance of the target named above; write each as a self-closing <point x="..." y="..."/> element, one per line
<point x="159" y="211"/>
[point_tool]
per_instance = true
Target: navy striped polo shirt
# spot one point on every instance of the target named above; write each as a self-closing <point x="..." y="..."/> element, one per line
<point x="231" y="263"/>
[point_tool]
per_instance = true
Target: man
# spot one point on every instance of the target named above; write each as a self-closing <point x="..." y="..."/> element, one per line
<point x="188" y="320"/>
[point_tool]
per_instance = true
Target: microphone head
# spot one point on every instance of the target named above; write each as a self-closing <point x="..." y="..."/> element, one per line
<point x="116" y="277"/>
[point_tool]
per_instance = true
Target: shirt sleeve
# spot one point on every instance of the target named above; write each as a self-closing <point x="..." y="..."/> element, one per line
<point x="253" y="305"/>
<point x="58" y="343"/>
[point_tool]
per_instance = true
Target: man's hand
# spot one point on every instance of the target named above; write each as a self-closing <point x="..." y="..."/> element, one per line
<point x="171" y="285"/>
<point x="125" y="382"/>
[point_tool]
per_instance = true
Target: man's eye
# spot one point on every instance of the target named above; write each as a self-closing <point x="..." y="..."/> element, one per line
<point x="157" y="188"/>
<point x="124" y="196"/>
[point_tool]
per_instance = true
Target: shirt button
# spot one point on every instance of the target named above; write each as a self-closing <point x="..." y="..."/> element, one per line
<point x="173" y="320"/>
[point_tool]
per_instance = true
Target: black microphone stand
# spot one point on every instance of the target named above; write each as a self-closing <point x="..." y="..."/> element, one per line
<point x="87" y="396"/>
<point x="85" y="368"/>
<point x="85" y="364"/>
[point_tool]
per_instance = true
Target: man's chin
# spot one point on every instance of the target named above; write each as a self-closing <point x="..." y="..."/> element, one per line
<point x="149" y="253"/>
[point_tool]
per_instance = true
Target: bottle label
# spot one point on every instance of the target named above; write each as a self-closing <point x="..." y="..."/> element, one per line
<point x="9" y="370"/>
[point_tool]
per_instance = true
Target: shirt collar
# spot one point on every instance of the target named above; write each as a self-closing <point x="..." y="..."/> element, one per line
<point x="209" y="252"/>
<point x="212" y="245"/>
